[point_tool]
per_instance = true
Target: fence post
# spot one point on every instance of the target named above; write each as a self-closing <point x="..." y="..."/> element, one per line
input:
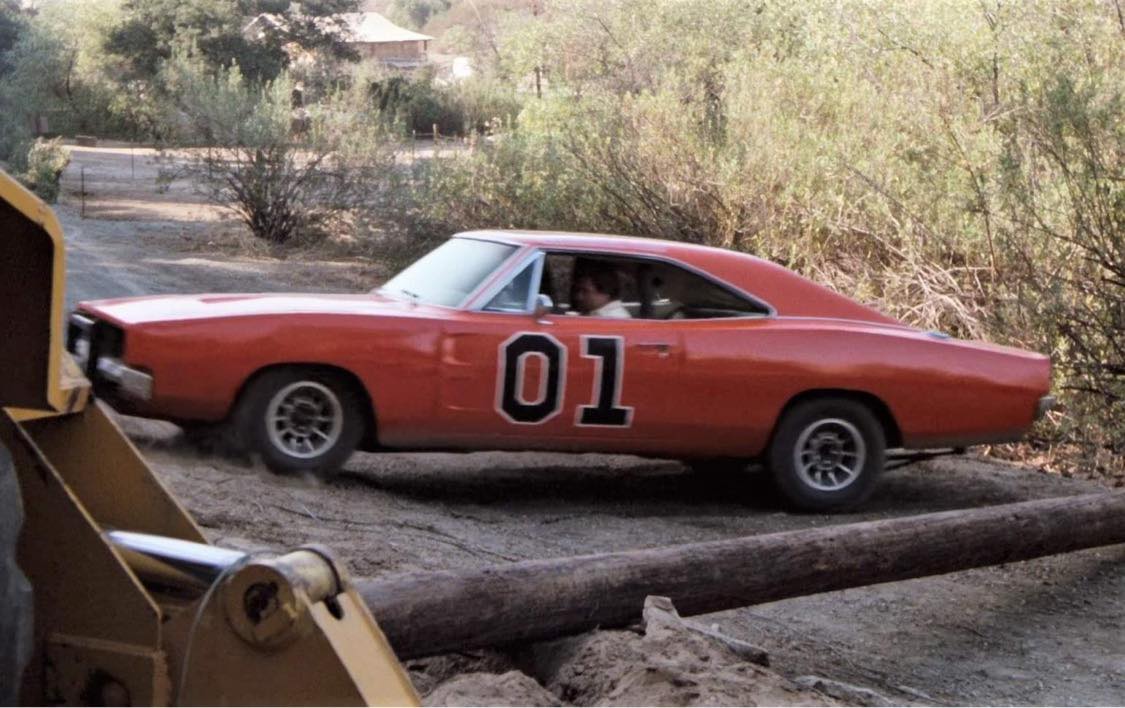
<point x="133" y="160"/>
<point x="82" y="191"/>
<point x="413" y="139"/>
<point x="436" y="136"/>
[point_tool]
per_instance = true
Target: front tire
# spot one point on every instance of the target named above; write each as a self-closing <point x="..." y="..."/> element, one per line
<point x="826" y="454"/>
<point x="301" y="420"/>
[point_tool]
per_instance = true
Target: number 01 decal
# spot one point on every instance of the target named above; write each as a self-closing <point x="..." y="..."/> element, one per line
<point x="514" y="403"/>
<point x="609" y="369"/>
<point x="510" y="396"/>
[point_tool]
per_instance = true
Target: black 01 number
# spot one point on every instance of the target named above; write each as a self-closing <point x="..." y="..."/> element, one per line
<point x="609" y="369"/>
<point x="515" y="403"/>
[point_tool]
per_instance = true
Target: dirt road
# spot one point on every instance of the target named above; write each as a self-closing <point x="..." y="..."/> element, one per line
<point x="1050" y="631"/>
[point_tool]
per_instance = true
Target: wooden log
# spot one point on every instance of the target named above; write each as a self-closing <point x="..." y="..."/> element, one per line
<point x="427" y="613"/>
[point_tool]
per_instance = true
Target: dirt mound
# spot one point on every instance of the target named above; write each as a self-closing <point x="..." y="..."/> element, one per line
<point x="481" y="689"/>
<point x="672" y="662"/>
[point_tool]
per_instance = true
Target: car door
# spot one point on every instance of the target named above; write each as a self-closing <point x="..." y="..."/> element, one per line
<point x="735" y="370"/>
<point x="514" y="379"/>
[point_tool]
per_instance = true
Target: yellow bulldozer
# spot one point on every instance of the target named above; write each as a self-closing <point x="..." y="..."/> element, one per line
<point x="109" y="592"/>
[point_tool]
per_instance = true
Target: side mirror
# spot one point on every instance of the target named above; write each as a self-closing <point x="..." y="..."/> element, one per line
<point x="543" y="305"/>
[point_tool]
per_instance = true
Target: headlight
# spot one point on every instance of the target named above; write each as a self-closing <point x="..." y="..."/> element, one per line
<point x="79" y="331"/>
<point x="82" y="351"/>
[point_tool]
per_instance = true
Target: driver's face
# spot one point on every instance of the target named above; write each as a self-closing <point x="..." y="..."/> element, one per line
<point x="585" y="296"/>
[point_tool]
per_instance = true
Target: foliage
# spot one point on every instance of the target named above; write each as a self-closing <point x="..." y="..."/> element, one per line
<point x="151" y="31"/>
<point x="416" y="13"/>
<point x="1064" y="166"/>
<point x="11" y="26"/>
<point x="58" y="78"/>
<point x="287" y="174"/>
<point x="45" y="164"/>
<point x="475" y="27"/>
<point x="419" y="103"/>
<point x="29" y="89"/>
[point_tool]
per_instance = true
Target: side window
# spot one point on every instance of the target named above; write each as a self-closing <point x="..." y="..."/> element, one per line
<point x="677" y="293"/>
<point x="557" y="273"/>
<point x="613" y="276"/>
<point x="648" y="289"/>
<point x="516" y="295"/>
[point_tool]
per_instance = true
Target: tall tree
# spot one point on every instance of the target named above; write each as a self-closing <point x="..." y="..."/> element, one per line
<point x="11" y="25"/>
<point x="151" y="30"/>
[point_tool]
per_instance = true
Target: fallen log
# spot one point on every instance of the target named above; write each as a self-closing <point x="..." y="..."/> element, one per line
<point x="426" y="613"/>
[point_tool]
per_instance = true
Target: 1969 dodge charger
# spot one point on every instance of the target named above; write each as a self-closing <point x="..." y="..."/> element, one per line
<point x="555" y="341"/>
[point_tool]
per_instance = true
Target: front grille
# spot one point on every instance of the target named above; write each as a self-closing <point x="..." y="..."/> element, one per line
<point x="108" y="340"/>
<point x="103" y="339"/>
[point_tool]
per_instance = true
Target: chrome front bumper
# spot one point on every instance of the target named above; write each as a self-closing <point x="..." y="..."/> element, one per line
<point x="130" y="382"/>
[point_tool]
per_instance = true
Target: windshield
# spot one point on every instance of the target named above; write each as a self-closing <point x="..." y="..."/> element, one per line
<point x="447" y="274"/>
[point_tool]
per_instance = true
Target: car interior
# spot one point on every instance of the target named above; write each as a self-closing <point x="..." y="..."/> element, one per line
<point x="650" y="289"/>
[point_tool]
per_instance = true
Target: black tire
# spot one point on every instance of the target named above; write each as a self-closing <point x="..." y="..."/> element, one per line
<point x="843" y="446"/>
<point x="314" y="394"/>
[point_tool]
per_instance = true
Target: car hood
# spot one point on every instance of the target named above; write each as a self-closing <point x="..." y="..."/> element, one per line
<point x="178" y="308"/>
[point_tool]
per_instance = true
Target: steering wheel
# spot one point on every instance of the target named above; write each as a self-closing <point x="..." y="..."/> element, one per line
<point x="677" y="312"/>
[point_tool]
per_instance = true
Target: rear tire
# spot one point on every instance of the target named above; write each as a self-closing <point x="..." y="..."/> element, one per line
<point x="827" y="454"/>
<point x="301" y="420"/>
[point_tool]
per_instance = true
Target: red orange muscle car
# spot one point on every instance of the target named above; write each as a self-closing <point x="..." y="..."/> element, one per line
<point x="712" y="355"/>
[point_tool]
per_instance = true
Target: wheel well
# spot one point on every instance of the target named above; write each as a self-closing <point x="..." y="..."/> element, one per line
<point x="369" y="441"/>
<point x="874" y="404"/>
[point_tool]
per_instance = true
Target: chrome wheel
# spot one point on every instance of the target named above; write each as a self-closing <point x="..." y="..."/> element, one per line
<point x="829" y="454"/>
<point x="304" y="419"/>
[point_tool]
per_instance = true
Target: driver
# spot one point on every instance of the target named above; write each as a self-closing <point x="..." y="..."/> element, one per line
<point x="596" y="290"/>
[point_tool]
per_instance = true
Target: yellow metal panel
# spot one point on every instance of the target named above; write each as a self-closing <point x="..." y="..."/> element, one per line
<point x="357" y="639"/>
<point x="106" y="472"/>
<point x="32" y="279"/>
<point x="85" y="671"/>
<point x="336" y="662"/>
<point x="81" y="586"/>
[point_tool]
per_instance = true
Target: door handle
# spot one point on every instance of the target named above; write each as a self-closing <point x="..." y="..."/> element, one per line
<point x="661" y="348"/>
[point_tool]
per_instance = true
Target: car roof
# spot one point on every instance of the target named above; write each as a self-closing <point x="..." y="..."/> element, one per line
<point x="608" y="242"/>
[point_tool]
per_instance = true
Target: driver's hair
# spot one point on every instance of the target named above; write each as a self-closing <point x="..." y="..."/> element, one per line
<point x="605" y="277"/>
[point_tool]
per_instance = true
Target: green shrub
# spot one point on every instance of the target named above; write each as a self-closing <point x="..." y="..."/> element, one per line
<point x="46" y="161"/>
<point x="418" y="104"/>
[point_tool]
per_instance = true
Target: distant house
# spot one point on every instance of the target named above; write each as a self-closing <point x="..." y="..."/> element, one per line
<point x="373" y="36"/>
<point x="376" y="37"/>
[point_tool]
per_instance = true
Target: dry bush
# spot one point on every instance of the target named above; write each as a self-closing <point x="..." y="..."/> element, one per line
<point x="289" y="174"/>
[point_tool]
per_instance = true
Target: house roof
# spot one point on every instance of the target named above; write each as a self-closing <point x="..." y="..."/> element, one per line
<point x="355" y="28"/>
<point x="373" y="28"/>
